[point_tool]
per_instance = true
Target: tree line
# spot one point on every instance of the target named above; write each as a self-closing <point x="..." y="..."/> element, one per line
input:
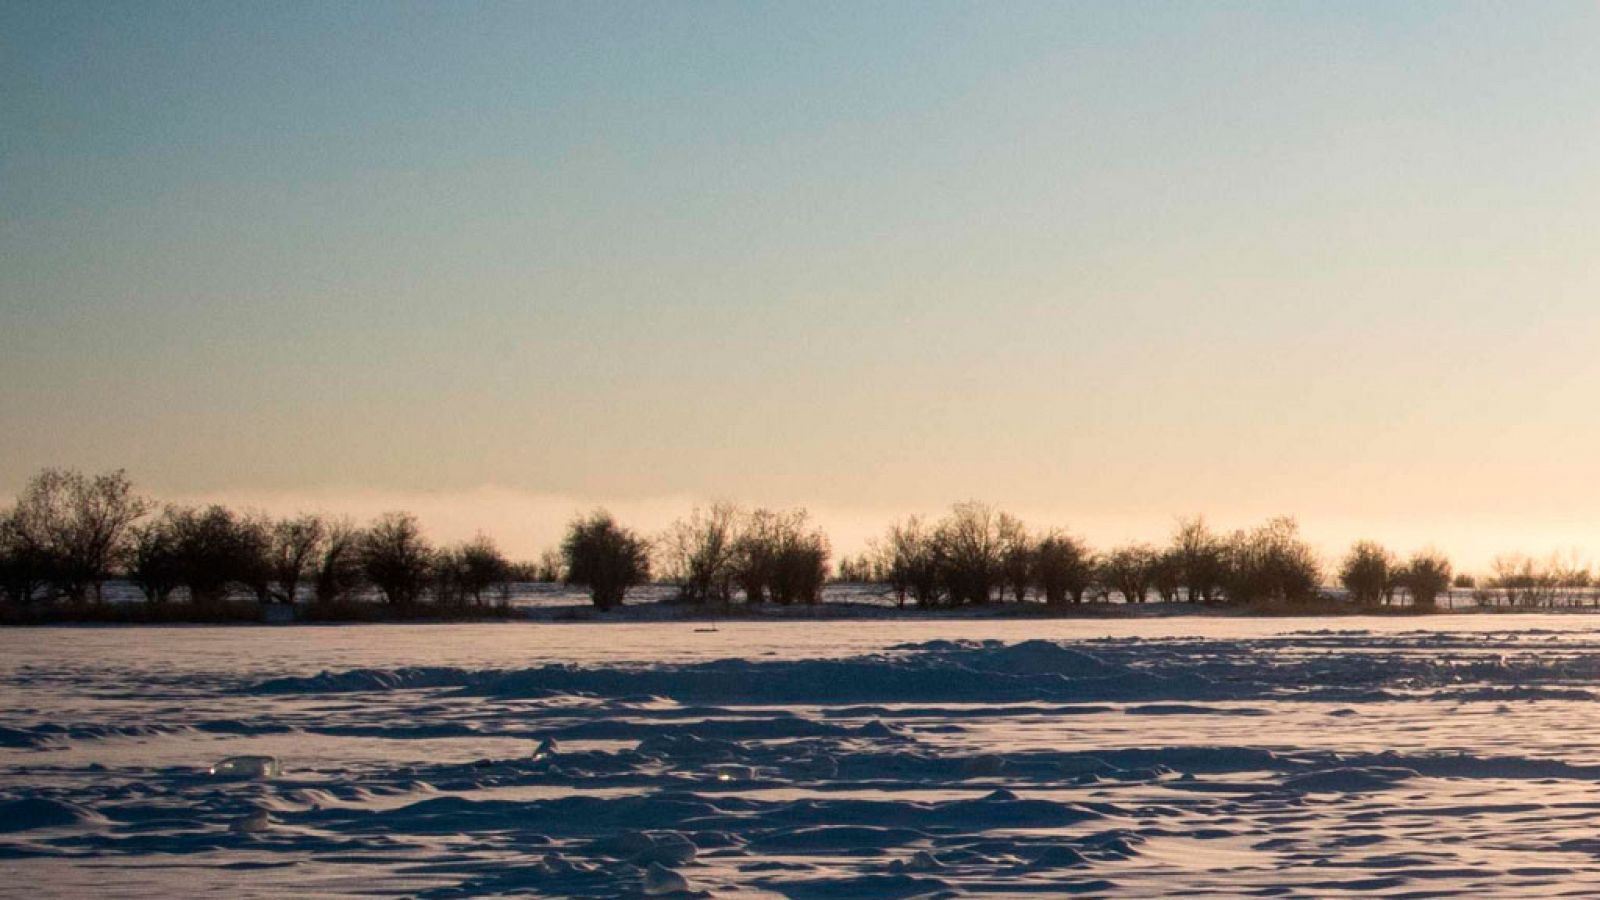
<point x="67" y="533"/>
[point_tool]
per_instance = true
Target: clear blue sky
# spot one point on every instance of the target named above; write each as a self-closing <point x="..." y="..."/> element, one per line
<point x="1102" y="262"/>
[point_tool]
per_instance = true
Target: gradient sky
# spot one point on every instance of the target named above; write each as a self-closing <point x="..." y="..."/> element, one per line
<point x="1100" y="263"/>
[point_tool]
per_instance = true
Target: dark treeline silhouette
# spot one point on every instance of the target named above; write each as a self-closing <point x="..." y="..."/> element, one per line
<point x="67" y="533"/>
<point x="1372" y="575"/>
<point x="976" y="555"/>
<point x="759" y="555"/>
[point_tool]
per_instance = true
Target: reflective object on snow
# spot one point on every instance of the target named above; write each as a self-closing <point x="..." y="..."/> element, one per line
<point x="247" y="767"/>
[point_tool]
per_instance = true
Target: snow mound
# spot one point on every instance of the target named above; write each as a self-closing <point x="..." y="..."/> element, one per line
<point x="939" y="670"/>
<point x="1348" y="780"/>
<point x="32" y="813"/>
<point x="1039" y="657"/>
<point x="247" y="767"/>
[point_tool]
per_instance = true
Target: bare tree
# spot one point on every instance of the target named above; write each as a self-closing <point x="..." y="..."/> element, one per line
<point x="1063" y="567"/>
<point x="1524" y="581"/>
<point x="1128" y="570"/>
<point x="1570" y="574"/>
<point x="1270" y="565"/>
<point x="153" y="562"/>
<point x="549" y="566"/>
<point x="912" y="563"/>
<point x="475" y="568"/>
<point x="870" y="566"/>
<point x="780" y="556"/>
<point x="755" y="554"/>
<point x="1367" y="572"/>
<point x="1425" y="577"/>
<point x="24" y="567"/>
<point x="1016" y="557"/>
<point x="857" y="568"/>
<point x="701" y="553"/>
<point x="1166" y="575"/>
<point x="214" y="550"/>
<point x="338" y="574"/>
<point x="799" y="560"/>
<point x="1200" y="558"/>
<point x="604" y="557"/>
<point x="296" y="546"/>
<point x="969" y="544"/>
<point x="80" y="524"/>
<point x="396" y="558"/>
<point x="255" y="554"/>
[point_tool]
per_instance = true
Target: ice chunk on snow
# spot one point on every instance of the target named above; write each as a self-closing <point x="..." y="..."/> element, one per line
<point x="660" y="881"/>
<point x="247" y="767"/>
<point x="920" y="861"/>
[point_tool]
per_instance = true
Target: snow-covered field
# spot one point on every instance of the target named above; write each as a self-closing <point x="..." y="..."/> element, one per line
<point x="1138" y="757"/>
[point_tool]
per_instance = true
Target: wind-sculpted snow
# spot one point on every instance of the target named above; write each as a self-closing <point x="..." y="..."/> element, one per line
<point x="941" y="671"/>
<point x="1034" y="670"/>
<point x="1310" y="764"/>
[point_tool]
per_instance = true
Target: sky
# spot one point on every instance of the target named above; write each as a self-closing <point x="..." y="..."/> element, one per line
<point x="1102" y="264"/>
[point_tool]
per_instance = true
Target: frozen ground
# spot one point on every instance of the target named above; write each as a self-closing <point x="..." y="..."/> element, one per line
<point x="1229" y="756"/>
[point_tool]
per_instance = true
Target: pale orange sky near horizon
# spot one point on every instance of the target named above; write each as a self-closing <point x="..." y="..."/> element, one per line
<point x="525" y="524"/>
<point x="1099" y="264"/>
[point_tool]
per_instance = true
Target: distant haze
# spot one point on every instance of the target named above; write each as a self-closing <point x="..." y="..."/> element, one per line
<point x="1101" y="264"/>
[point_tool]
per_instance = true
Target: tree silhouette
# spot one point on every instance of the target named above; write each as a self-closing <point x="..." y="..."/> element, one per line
<point x="1425" y="576"/>
<point x="1063" y="567"/>
<point x="24" y="567"/>
<point x="153" y="563"/>
<point x="1367" y="572"/>
<point x="780" y="556"/>
<point x="1166" y="575"/>
<point x="912" y="563"/>
<point x="604" y="557"/>
<point x="799" y="560"/>
<point x="214" y="550"/>
<point x="701" y="553"/>
<point x="1269" y="565"/>
<point x="969" y="545"/>
<point x="1017" y="557"/>
<point x="296" y="545"/>
<point x="78" y="525"/>
<point x="1129" y="570"/>
<point x="338" y="574"/>
<point x="396" y="558"/>
<point x="468" y="571"/>
<point x="1201" y="559"/>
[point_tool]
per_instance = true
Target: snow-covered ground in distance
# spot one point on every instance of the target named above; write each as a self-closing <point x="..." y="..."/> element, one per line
<point x="878" y="758"/>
